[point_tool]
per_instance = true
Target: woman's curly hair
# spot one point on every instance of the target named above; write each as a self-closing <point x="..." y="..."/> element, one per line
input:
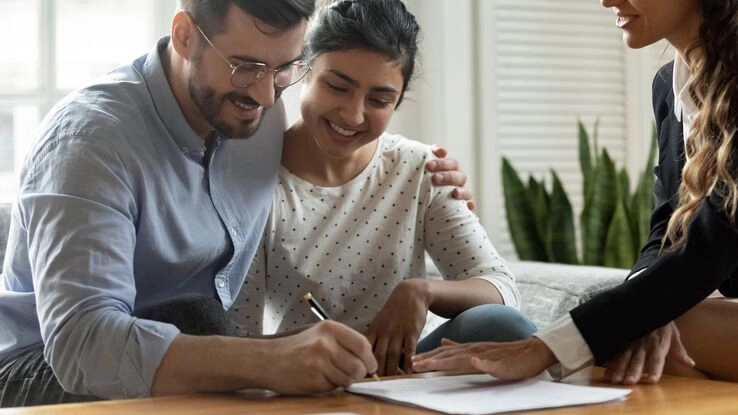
<point x="712" y="164"/>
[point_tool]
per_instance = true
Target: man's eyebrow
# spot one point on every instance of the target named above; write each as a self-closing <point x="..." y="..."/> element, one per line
<point x="352" y="81"/>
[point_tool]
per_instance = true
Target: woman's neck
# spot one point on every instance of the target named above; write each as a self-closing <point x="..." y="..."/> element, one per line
<point x="303" y="158"/>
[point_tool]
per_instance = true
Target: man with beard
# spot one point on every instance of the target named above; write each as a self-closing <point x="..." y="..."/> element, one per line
<point x="140" y="207"/>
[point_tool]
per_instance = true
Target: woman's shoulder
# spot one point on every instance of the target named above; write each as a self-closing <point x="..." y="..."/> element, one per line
<point x="399" y="147"/>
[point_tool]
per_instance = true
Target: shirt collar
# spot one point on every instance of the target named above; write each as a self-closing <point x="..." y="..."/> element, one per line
<point x="684" y="105"/>
<point x="167" y="106"/>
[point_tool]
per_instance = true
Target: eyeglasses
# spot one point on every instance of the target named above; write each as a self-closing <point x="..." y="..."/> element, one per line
<point x="246" y="74"/>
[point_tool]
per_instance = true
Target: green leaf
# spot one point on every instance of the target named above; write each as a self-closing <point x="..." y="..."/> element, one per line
<point x="619" y="250"/>
<point x="560" y="237"/>
<point x="585" y="157"/>
<point x="598" y="210"/>
<point x="644" y="199"/>
<point x="539" y="201"/>
<point x="523" y="230"/>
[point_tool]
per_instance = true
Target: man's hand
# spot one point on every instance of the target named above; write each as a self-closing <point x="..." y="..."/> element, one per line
<point x="324" y="357"/>
<point x="648" y="355"/>
<point x="446" y="172"/>
<point x="397" y="326"/>
<point x="512" y="360"/>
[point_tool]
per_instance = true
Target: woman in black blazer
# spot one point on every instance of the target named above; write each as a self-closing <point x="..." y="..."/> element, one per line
<point x="661" y="315"/>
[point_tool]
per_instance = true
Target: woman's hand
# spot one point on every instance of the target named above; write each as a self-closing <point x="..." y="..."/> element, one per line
<point x="396" y="328"/>
<point x="511" y="360"/>
<point x="648" y="355"/>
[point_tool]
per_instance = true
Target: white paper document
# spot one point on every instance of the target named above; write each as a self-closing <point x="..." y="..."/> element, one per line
<point x="483" y="394"/>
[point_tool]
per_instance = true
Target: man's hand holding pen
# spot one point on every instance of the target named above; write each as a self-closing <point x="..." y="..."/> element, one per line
<point x="319" y="312"/>
<point x="326" y="356"/>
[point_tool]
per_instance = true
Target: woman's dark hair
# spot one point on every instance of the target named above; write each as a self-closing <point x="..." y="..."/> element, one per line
<point x="284" y="14"/>
<point x="382" y="26"/>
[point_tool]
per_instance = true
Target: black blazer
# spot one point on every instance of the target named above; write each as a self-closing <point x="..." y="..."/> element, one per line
<point x="674" y="280"/>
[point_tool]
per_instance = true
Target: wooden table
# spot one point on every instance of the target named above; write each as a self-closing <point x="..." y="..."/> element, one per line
<point x="673" y="396"/>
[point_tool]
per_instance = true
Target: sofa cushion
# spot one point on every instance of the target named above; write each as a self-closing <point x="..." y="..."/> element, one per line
<point x="4" y="225"/>
<point x="549" y="290"/>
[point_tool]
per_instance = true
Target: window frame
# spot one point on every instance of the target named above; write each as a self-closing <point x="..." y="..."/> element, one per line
<point x="46" y="93"/>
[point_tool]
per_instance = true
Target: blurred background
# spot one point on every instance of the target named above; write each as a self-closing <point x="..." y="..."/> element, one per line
<point x="496" y="78"/>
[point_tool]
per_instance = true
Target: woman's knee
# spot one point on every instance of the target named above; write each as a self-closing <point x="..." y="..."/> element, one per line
<point x="494" y="322"/>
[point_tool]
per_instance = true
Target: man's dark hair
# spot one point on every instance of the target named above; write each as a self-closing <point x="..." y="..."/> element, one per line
<point x="382" y="26"/>
<point x="284" y="14"/>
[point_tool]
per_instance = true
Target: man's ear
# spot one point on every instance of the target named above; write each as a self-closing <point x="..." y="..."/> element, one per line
<point x="183" y="31"/>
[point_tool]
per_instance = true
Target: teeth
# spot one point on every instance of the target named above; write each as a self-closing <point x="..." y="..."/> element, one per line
<point x="342" y="131"/>
<point x="623" y="20"/>
<point x="244" y="106"/>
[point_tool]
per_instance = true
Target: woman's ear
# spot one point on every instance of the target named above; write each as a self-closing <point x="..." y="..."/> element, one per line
<point x="182" y="37"/>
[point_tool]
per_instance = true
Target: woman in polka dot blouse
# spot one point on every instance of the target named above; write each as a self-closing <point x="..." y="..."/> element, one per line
<point x="355" y="211"/>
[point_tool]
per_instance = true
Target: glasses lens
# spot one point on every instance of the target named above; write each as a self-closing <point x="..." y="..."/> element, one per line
<point x="246" y="74"/>
<point x="290" y="74"/>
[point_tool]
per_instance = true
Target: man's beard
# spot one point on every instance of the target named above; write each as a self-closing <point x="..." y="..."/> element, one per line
<point x="209" y="104"/>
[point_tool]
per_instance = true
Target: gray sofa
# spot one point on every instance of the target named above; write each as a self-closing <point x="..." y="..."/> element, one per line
<point x="547" y="290"/>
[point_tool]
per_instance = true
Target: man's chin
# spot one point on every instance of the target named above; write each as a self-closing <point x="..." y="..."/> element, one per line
<point x="242" y="130"/>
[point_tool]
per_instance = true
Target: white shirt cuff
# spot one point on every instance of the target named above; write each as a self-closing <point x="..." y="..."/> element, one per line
<point x="636" y="274"/>
<point x="568" y="345"/>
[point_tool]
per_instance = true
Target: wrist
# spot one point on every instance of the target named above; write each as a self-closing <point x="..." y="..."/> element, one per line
<point x="540" y="349"/>
<point x="417" y="288"/>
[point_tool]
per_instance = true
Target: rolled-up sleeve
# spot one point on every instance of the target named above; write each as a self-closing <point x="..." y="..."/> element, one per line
<point x="460" y="248"/>
<point x="78" y="210"/>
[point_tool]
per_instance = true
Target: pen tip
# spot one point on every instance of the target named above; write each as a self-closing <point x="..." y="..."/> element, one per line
<point x="307" y="296"/>
<point x="375" y="377"/>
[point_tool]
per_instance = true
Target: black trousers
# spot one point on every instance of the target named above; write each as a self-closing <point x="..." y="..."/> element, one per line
<point x="28" y="380"/>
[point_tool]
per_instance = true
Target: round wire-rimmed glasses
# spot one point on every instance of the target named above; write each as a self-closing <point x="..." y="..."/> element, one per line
<point x="246" y="74"/>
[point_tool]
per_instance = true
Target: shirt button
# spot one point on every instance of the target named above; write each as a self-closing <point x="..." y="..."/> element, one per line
<point x="221" y="283"/>
<point x="234" y="231"/>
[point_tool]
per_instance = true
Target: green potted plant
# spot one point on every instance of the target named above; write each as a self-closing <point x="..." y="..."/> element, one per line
<point x="613" y="223"/>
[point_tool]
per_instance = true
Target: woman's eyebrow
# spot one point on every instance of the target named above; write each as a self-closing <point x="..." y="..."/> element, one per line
<point x="352" y="81"/>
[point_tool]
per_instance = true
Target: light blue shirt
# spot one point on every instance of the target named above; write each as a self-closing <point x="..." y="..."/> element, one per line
<point x="119" y="209"/>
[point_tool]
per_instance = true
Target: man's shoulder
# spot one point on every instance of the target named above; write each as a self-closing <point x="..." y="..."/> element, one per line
<point x="107" y="103"/>
<point x="108" y="110"/>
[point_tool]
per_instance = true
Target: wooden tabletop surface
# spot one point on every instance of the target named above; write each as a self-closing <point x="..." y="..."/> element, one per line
<point x="672" y="396"/>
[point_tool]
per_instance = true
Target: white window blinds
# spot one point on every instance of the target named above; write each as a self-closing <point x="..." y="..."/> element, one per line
<point x="544" y="65"/>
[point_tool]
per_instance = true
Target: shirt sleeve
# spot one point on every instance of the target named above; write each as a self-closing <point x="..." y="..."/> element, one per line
<point x="460" y="248"/>
<point x="568" y="345"/>
<point x="79" y="212"/>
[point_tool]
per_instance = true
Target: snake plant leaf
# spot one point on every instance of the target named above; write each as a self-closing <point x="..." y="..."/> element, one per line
<point x="619" y="248"/>
<point x="523" y="231"/>
<point x="644" y="198"/>
<point x="539" y="201"/>
<point x="613" y="225"/>
<point x="585" y="157"/>
<point x="560" y="236"/>
<point x="599" y="208"/>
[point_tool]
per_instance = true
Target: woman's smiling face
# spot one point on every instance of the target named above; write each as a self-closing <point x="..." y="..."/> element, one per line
<point x="644" y="22"/>
<point x="348" y="100"/>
